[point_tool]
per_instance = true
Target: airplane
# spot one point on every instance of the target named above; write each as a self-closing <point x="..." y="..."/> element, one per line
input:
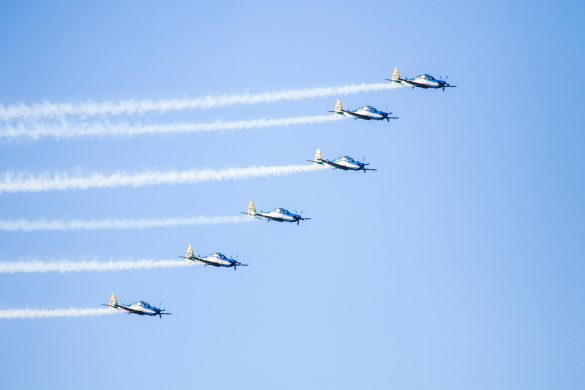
<point x="365" y="112"/>
<point x="425" y="81"/>
<point x="278" y="215"/>
<point x="215" y="259"/>
<point x="141" y="308"/>
<point x="344" y="163"/>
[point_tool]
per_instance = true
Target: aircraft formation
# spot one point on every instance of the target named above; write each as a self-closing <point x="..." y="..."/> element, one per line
<point x="343" y="163"/>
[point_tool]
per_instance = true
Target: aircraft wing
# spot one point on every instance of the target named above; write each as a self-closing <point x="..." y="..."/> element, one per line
<point x="275" y="219"/>
<point x="358" y="116"/>
<point x="129" y="310"/>
<point x="353" y="114"/>
<point x="334" y="165"/>
<point x="329" y="163"/>
<point x="258" y="215"/>
<point x="415" y="84"/>
<point x="409" y="82"/>
<point x="203" y="261"/>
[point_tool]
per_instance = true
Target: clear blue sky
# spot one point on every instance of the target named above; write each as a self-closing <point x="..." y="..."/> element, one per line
<point x="458" y="265"/>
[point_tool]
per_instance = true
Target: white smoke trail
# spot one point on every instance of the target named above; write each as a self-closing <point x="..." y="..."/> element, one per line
<point x="12" y="182"/>
<point x="88" y="265"/>
<point x="43" y="225"/>
<point x="41" y="130"/>
<point x="137" y="107"/>
<point x="54" y="313"/>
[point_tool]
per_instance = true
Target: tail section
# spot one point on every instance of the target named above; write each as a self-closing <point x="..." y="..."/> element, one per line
<point x="113" y="301"/>
<point x="338" y="106"/>
<point x="252" y="208"/>
<point x="189" y="252"/>
<point x="396" y="74"/>
<point x="318" y="156"/>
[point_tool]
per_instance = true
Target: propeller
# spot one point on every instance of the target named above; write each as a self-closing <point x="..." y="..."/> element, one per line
<point x="445" y="84"/>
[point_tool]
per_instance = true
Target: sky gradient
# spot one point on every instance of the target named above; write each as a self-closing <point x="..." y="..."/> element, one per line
<point x="458" y="264"/>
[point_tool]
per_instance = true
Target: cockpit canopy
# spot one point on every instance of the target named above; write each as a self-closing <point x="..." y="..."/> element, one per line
<point x="218" y="255"/>
<point x="346" y="159"/>
<point x="426" y="77"/>
<point x="282" y="211"/>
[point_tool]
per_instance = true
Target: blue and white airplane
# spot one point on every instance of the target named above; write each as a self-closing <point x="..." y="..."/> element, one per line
<point x="278" y="215"/>
<point x="423" y="81"/>
<point x="365" y="112"/>
<point x="141" y="308"/>
<point x="344" y="163"/>
<point x="215" y="259"/>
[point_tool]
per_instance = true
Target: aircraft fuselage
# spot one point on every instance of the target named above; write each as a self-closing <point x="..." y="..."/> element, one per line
<point x="279" y="217"/>
<point x="216" y="260"/>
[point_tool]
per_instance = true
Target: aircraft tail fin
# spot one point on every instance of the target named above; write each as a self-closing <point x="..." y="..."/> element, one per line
<point x="113" y="301"/>
<point x="189" y="252"/>
<point x="338" y="106"/>
<point x="252" y="208"/>
<point x="318" y="155"/>
<point x="396" y="74"/>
